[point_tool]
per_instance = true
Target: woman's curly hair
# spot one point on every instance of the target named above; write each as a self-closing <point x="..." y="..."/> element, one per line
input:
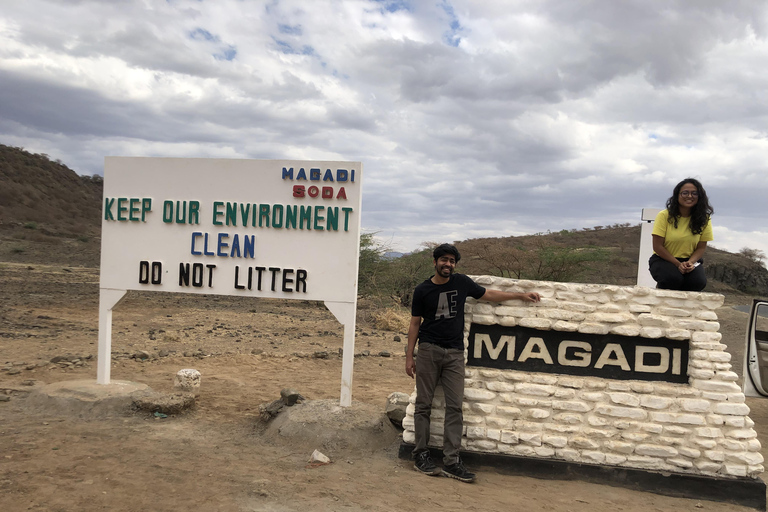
<point x="700" y="213"/>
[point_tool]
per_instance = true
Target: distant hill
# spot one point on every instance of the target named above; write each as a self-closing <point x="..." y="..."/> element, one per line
<point x="51" y="215"/>
<point x="47" y="211"/>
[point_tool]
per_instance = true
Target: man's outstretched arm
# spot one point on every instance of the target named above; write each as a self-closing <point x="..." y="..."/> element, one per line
<point x="499" y="296"/>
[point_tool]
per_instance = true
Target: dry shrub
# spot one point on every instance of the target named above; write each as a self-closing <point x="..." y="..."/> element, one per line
<point x="391" y="319"/>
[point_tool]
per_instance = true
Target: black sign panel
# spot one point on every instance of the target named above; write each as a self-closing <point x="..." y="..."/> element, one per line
<point x="609" y="356"/>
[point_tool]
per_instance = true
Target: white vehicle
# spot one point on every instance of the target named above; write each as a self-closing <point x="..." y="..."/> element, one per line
<point x="756" y="354"/>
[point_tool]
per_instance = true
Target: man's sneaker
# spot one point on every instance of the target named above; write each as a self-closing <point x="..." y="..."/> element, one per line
<point x="459" y="472"/>
<point x="425" y="465"/>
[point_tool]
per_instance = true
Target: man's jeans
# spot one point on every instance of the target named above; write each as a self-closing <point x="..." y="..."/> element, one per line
<point x="434" y="365"/>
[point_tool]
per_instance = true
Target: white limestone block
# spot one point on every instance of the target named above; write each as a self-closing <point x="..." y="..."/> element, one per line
<point x="678" y="334"/>
<point x="533" y="402"/>
<point x="635" y="437"/>
<point x="409" y="437"/>
<point x="679" y="418"/>
<point x="694" y="404"/>
<point x="681" y="463"/>
<point x="736" y="398"/>
<point x="500" y="387"/>
<point x="639" y="308"/>
<point x="624" y="399"/>
<point x="493" y="434"/>
<point x="544" y="378"/>
<point x="687" y="451"/>
<point x="564" y="326"/>
<point x="561" y="314"/>
<point x="619" y="446"/>
<point x="188" y="381"/>
<point x="655" y="402"/>
<point x="563" y="429"/>
<point x="610" y="318"/>
<point x="709" y="432"/>
<point x="568" y="418"/>
<point x="709" y="337"/>
<point x="698" y="325"/>
<point x="593" y="396"/>
<point x="676" y="430"/>
<point x="507" y="321"/>
<point x="531" y="438"/>
<point x="509" y="437"/>
<point x="568" y="454"/>
<point x="645" y="462"/>
<point x="507" y="411"/>
<point x="577" y="306"/>
<point x="676" y="312"/>
<point x="613" y="308"/>
<point x="735" y="469"/>
<point x="744" y="433"/>
<point x="535" y="389"/>
<point x="653" y="428"/>
<point x="598" y="421"/>
<point x="507" y="311"/>
<point x="475" y="432"/>
<point x="707" y="444"/>
<point x="700" y="373"/>
<point x="707" y="467"/>
<point x="478" y="394"/>
<point x="734" y="409"/>
<point x="483" y="309"/>
<point x="706" y="315"/>
<point x="714" y="385"/>
<point x="733" y="445"/>
<point x="570" y="382"/>
<point x="593" y="328"/>
<point x="544" y="451"/>
<point x="482" y="409"/>
<point x="655" y="450"/>
<point x="626" y="330"/>
<point x="555" y="441"/>
<point x="481" y="445"/>
<point x="593" y="456"/>
<point x="650" y="320"/>
<point x="641" y="387"/>
<point x="536" y="323"/>
<point x="538" y="414"/>
<point x="571" y="405"/>
<point x="524" y="450"/>
<point x="584" y="443"/>
<point x="484" y="319"/>
<point x="651" y="332"/>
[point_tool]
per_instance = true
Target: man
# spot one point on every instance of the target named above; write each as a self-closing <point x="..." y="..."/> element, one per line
<point x="437" y="321"/>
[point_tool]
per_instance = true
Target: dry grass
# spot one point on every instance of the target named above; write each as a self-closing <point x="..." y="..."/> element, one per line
<point x="391" y="319"/>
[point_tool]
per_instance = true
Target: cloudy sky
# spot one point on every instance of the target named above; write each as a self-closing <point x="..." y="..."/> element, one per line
<point x="472" y="118"/>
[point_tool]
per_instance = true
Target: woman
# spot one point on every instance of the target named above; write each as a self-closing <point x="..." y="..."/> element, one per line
<point x="680" y="236"/>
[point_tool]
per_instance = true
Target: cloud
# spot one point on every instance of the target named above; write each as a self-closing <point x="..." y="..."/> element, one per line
<point x="471" y="118"/>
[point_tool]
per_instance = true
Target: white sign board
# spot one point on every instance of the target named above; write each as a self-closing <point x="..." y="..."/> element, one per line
<point x="248" y="228"/>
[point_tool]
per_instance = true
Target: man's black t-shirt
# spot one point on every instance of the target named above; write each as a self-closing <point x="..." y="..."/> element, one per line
<point x="441" y="307"/>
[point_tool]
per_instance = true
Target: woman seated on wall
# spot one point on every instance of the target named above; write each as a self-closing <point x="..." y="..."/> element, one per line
<point x="680" y="236"/>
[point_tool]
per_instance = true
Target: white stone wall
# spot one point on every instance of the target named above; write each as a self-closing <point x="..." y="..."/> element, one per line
<point x="701" y="427"/>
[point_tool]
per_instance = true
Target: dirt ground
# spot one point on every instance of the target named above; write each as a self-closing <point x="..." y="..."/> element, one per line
<point x="219" y="456"/>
